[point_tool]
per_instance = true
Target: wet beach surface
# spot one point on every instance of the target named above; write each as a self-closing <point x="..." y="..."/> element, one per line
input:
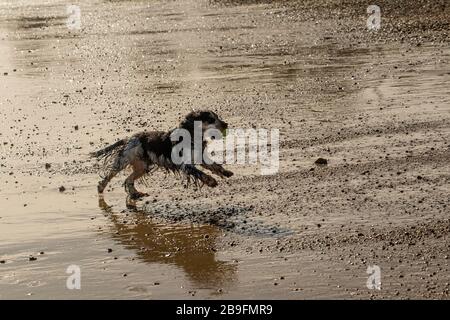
<point x="376" y="105"/>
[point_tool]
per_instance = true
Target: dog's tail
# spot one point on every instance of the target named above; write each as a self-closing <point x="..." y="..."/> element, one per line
<point x="106" y="152"/>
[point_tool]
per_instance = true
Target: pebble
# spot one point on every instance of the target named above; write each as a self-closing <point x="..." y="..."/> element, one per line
<point x="321" y="161"/>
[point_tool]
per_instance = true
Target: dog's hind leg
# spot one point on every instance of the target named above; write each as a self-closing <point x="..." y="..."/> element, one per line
<point x="139" y="169"/>
<point x="123" y="158"/>
<point x="116" y="167"/>
<point x="102" y="184"/>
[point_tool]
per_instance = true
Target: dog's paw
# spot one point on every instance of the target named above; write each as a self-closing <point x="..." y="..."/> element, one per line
<point x="210" y="182"/>
<point x="138" y="195"/>
<point x="228" y="174"/>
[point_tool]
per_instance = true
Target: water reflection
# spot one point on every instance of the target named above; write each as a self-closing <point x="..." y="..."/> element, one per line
<point x="189" y="247"/>
<point x="31" y="46"/>
<point x="39" y="22"/>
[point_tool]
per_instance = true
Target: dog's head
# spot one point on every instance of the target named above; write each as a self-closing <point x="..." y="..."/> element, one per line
<point x="209" y="120"/>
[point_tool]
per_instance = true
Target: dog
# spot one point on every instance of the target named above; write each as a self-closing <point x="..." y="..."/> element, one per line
<point x="145" y="152"/>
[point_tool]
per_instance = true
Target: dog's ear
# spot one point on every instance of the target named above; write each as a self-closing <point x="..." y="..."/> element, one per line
<point x="191" y="115"/>
<point x="188" y="121"/>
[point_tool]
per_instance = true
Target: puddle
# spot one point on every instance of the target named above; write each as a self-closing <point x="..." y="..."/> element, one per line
<point x="190" y="247"/>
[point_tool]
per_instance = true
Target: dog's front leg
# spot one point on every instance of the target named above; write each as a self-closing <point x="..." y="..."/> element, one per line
<point x="192" y="172"/>
<point x="217" y="169"/>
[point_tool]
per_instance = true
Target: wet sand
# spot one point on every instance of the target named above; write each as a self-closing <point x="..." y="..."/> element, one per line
<point x="376" y="105"/>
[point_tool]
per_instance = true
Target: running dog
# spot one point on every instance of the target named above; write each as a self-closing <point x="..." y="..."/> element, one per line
<point x="145" y="152"/>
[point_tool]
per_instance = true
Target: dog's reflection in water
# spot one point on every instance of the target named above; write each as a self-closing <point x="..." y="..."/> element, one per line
<point x="191" y="248"/>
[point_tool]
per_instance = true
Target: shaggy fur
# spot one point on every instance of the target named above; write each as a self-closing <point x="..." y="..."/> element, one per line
<point x="147" y="151"/>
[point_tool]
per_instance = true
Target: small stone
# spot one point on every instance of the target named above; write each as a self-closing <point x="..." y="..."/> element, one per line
<point x="48" y="166"/>
<point x="62" y="189"/>
<point x="321" y="161"/>
<point x="32" y="258"/>
<point x="109" y="250"/>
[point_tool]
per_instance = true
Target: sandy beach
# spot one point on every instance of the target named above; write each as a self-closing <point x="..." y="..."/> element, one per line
<point x="374" y="104"/>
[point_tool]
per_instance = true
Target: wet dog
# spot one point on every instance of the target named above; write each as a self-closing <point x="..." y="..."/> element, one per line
<point x="146" y="151"/>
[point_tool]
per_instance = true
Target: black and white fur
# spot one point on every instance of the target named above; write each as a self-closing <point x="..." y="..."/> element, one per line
<point x="146" y="151"/>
